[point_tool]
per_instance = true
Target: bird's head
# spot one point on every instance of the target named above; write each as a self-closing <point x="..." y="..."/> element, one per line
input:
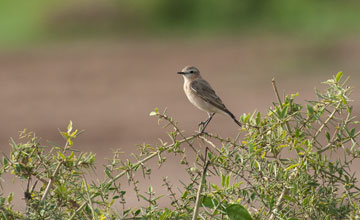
<point x="190" y="72"/>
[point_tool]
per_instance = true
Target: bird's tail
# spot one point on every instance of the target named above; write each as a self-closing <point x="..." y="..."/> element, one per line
<point x="233" y="118"/>
<point x="236" y="121"/>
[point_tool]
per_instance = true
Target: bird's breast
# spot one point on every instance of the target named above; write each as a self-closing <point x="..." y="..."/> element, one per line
<point x="200" y="103"/>
<point x="196" y="100"/>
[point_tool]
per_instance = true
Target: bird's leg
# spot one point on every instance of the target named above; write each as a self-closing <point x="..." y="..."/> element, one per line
<point x="202" y="123"/>
<point x="205" y="123"/>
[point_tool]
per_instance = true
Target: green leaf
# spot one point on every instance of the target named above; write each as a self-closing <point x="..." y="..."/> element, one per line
<point x="278" y="112"/>
<point x="289" y="198"/>
<point x="252" y="196"/>
<point x="258" y="118"/>
<point x="245" y="118"/>
<point x="108" y="173"/>
<point x="71" y="155"/>
<point x="237" y="212"/>
<point x="2" y="201"/>
<point x="327" y="135"/>
<point x="227" y="182"/>
<point x="251" y="148"/>
<point x="70" y="142"/>
<point x="74" y="133"/>
<point x="5" y="161"/>
<point x="292" y="166"/>
<point x="223" y="180"/>
<point x="19" y="168"/>
<point x="65" y="134"/>
<point x="155" y="112"/>
<point x="165" y="215"/>
<point x="185" y="194"/>
<point x="284" y="112"/>
<point x="214" y="186"/>
<point x="61" y="155"/>
<point x="210" y="156"/>
<point x="338" y="76"/>
<point x="209" y="202"/>
<point x="352" y="132"/>
<point x="137" y="212"/>
<point x="310" y="109"/>
<point x="10" y="197"/>
<point x="69" y="127"/>
<point x="263" y="155"/>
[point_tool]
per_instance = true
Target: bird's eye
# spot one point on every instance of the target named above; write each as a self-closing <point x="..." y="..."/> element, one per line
<point x="191" y="71"/>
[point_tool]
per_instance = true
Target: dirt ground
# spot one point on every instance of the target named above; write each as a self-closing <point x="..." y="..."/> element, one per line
<point x="109" y="88"/>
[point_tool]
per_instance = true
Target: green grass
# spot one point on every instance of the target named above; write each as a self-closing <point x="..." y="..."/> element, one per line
<point x="30" y="21"/>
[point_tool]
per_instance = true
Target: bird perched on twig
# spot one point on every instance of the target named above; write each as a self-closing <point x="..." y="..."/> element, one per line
<point x="200" y="94"/>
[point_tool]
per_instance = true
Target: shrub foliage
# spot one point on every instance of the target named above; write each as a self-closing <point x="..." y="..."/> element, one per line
<point x="292" y="162"/>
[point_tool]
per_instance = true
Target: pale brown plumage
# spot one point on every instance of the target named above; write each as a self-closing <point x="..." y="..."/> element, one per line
<point x="204" y="90"/>
<point x="201" y="94"/>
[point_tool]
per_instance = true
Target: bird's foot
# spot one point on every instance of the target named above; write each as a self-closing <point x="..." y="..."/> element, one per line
<point x="202" y="123"/>
<point x="202" y="129"/>
<point x="202" y="126"/>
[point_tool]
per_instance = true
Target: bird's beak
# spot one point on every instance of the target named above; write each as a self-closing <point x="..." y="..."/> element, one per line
<point x="182" y="73"/>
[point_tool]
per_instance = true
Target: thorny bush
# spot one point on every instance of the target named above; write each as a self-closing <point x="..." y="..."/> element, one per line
<point x="292" y="162"/>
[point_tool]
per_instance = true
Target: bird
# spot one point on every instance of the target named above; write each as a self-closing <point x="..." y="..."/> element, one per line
<point x="203" y="96"/>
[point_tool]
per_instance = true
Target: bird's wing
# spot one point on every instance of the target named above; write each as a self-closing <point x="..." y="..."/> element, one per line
<point x="204" y="91"/>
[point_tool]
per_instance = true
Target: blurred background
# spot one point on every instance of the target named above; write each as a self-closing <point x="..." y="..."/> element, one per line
<point x="106" y="64"/>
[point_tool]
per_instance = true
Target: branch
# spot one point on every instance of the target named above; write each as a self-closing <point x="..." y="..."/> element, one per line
<point x="272" y="216"/>
<point x="48" y="187"/>
<point x="278" y="97"/>
<point x="327" y="120"/>
<point x="202" y="183"/>
<point x="136" y="165"/>
<point x="47" y="190"/>
<point x="181" y="134"/>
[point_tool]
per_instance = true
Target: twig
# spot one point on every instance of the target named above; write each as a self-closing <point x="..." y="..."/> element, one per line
<point x="136" y="165"/>
<point x="272" y="216"/>
<point x="181" y="134"/>
<point x="172" y="194"/>
<point x="210" y="143"/>
<point x="28" y="194"/>
<point x="88" y="195"/>
<point x="52" y="178"/>
<point x="278" y="97"/>
<point x="47" y="190"/>
<point x="202" y="183"/>
<point x="275" y="90"/>
<point x="327" y="120"/>
<point x="331" y="142"/>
